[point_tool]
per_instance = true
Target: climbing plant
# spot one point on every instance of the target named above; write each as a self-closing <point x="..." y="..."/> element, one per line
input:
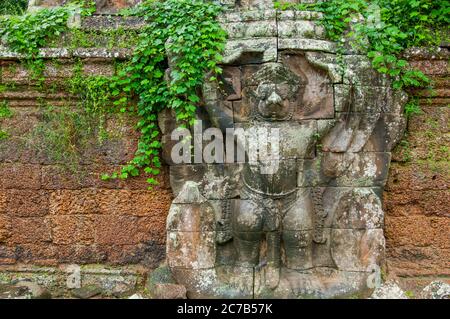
<point x="185" y="36"/>
<point x="384" y="29"/>
<point x="181" y="34"/>
<point x="26" y="34"/>
<point x="13" y="6"/>
<point x="5" y="112"/>
<point x="65" y="132"/>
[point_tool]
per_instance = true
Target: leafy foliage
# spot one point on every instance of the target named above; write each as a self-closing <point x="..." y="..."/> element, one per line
<point x="5" y="112"/>
<point x="185" y="36"/>
<point x="15" y="7"/>
<point x="412" y="107"/>
<point x="384" y="29"/>
<point x="181" y="34"/>
<point x="27" y="33"/>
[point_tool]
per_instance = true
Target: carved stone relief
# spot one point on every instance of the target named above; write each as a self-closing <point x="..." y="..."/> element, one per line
<point x="313" y="226"/>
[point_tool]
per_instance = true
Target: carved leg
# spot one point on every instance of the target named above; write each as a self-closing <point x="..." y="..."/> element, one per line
<point x="297" y="233"/>
<point x="272" y="274"/>
<point x="298" y="247"/>
<point x="247" y="230"/>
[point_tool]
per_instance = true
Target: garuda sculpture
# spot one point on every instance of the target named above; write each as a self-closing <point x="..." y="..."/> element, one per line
<point x="306" y="219"/>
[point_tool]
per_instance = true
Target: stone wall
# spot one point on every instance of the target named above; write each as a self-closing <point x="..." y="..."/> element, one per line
<point x="51" y="214"/>
<point x="417" y="194"/>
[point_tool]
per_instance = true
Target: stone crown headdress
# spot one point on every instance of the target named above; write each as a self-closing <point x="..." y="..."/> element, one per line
<point x="275" y="73"/>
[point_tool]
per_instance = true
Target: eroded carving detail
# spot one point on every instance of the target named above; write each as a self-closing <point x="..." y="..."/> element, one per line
<point x="313" y="227"/>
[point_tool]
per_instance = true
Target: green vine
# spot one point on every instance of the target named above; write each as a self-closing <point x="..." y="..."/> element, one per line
<point x="25" y="34"/>
<point x="14" y="7"/>
<point x="384" y="29"/>
<point x="181" y="34"/>
<point x="5" y="112"/>
<point x="185" y="36"/>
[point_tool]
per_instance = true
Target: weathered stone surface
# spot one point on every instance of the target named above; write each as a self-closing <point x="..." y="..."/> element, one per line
<point x="295" y="141"/>
<point x="359" y="208"/>
<point x="313" y="100"/>
<point x="40" y="252"/>
<point x="413" y="260"/>
<point x="190" y="230"/>
<point x="18" y="176"/>
<point x="389" y="290"/>
<point x="83" y="254"/>
<point x="330" y="284"/>
<point x="35" y="290"/>
<point x="26" y="203"/>
<point x="299" y="29"/>
<point x="416" y="177"/>
<point x="117" y="282"/>
<point x="117" y="230"/>
<point x="114" y="282"/>
<point x="249" y="51"/>
<point x="327" y="62"/>
<point x="214" y="181"/>
<point x="422" y="231"/>
<point x="89" y="218"/>
<point x="5" y="227"/>
<point x="31" y="230"/>
<point x="72" y="230"/>
<point x="8" y="255"/>
<point x="412" y="203"/>
<point x="357" y="250"/>
<point x="169" y="291"/>
<point x="99" y="22"/>
<point x="433" y="67"/>
<point x="321" y="206"/>
<point x="14" y="292"/>
<point x="306" y="45"/>
<point x="251" y="29"/>
<point x="192" y="250"/>
<point x="416" y="196"/>
<point x="365" y="169"/>
<point x="360" y="72"/>
<point x="86" y="292"/>
<point x="436" y="290"/>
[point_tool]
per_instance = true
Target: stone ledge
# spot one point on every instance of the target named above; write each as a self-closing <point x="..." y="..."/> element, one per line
<point x="111" y="280"/>
<point x="437" y="53"/>
<point x="298" y="15"/>
<point x="102" y="22"/>
<point x="306" y="45"/>
<point x="247" y="16"/>
<point x="64" y="53"/>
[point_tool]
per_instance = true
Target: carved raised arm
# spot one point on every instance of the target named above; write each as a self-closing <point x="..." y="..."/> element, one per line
<point x="213" y="99"/>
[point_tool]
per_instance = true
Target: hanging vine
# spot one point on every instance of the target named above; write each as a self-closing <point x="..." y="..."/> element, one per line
<point x="384" y="29"/>
<point x="188" y="29"/>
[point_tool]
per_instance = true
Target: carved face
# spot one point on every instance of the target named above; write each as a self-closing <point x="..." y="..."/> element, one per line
<point x="274" y="91"/>
<point x="274" y="99"/>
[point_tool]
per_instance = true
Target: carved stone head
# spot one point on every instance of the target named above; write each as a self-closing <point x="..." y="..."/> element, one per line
<point x="274" y="90"/>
